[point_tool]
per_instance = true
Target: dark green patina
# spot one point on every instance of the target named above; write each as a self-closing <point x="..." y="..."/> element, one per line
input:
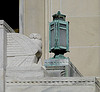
<point x="59" y="35"/>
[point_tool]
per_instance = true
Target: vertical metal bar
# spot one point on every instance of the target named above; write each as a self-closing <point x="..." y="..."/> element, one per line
<point x="49" y="38"/>
<point x="67" y="36"/>
<point x="58" y="34"/>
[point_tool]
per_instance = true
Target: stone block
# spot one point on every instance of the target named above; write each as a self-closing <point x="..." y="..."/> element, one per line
<point x="60" y="67"/>
<point x="54" y="84"/>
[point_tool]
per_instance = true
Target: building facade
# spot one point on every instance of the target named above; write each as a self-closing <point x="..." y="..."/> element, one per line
<point x="84" y="29"/>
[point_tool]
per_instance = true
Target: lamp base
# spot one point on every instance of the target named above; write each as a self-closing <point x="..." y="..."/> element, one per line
<point x="60" y="67"/>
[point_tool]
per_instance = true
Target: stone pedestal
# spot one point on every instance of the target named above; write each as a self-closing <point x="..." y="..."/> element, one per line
<point x="54" y="84"/>
<point x="60" y="68"/>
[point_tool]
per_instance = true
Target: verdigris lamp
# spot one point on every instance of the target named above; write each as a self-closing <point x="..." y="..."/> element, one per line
<point x="59" y="65"/>
<point x="59" y="35"/>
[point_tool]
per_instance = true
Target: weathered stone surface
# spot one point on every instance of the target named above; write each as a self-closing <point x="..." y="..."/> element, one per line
<point x="54" y="84"/>
<point x="23" y="54"/>
<point x="4" y="25"/>
<point x="21" y="45"/>
<point x="3" y="54"/>
<point x="60" y="68"/>
<point x="24" y="74"/>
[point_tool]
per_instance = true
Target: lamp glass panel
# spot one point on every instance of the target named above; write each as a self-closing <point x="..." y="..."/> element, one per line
<point x="52" y="38"/>
<point x="62" y="38"/>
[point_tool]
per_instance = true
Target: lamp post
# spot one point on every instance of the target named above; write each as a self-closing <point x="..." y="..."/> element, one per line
<point x="59" y="66"/>
<point x="59" y="35"/>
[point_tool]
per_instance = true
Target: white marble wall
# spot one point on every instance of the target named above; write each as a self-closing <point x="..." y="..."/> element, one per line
<point x="3" y="55"/>
<point x="4" y="29"/>
<point x="54" y="84"/>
